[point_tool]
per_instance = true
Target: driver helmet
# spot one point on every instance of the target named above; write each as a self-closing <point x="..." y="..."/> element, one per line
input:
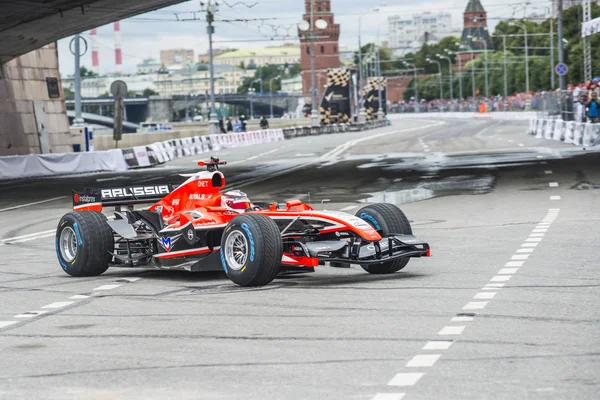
<point x="235" y="200"/>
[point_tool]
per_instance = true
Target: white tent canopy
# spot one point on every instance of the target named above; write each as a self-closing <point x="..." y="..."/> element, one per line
<point x="590" y="27"/>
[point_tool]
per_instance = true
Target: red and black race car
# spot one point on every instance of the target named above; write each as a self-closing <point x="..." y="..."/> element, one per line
<point x="195" y="227"/>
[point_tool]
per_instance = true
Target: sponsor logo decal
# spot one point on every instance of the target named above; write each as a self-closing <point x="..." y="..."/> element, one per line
<point x="196" y="196"/>
<point x="84" y="199"/>
<point x="167" y="242"/>
<point x="135" y="191"/>
<point x="368" y="217"/>
<point x="246" y="228"/>
<point x="62" y="264"/>
<point x="175" y="202"/>
<point x="190" y="234"/>
<point x="203" y="183"/>
<point x="79" y="241"/>
<point x="223" y="261"/>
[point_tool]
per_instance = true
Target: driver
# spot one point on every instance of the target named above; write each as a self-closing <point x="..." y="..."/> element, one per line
<point x="235" y="200"/>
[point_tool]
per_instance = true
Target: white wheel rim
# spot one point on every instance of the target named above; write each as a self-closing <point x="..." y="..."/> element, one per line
<point x="68" y="244"/>
<point x="236" y="250"/>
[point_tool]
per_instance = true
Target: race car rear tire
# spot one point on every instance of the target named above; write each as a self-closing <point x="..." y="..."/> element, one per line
<point x="84" y="241"/>
<point x="251" y="250"/>
<point x="386" y="219"/>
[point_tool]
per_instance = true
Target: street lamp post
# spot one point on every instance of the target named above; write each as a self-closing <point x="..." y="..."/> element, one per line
<point x="415" y="78"/>
<point x="211" y="8"/>
<point x="251" y="92"/>
<point x="514" y="23"/>
<point x="440" y="72"/>
<point x="450" y="68"/>
<point x="379" y="84"/>
<point x="487" y="85"/>
<point x="271" y="93"/>
<point x="505" y="71"/>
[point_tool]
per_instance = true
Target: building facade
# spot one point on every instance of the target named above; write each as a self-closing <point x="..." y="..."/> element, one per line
<point x="326" y="47"/>
<point x="100" y="86"/>
<point x="289" y="54"/>
<point x="176" y="58"/>
<point x="196" y="80"/>
<point x="409" y="34"/>
<point x="148" y="66"/>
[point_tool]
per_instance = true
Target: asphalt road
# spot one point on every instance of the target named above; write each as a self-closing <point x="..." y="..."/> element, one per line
<point x="507" y="307"/>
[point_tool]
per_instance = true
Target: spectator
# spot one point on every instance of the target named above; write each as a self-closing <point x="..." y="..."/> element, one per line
<point x="592" y="108"/>
<point x="229" y="125"/>
<point x="243" y="121"/>
<point x="264" y="124"/>
<point x="222" y="125"/>
<point x="237" y="125"/>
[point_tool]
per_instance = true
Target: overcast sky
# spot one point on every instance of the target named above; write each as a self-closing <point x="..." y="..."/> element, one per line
<point x="145" y="35"/>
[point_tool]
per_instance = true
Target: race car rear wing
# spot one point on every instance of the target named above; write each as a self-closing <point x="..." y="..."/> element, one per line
<point x="96" y="198"/>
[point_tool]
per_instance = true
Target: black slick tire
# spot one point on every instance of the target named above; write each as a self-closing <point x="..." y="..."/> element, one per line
<point x="386" y="219"/>
<point x="91" y="241"/>
<point x="260" y="239"/>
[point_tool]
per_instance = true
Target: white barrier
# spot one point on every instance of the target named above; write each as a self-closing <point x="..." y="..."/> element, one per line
<point x="31" y="165"/>
<point x="583" y="134"/>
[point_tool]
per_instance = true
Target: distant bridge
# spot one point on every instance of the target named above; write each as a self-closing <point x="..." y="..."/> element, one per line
<point x="90" y="118"/>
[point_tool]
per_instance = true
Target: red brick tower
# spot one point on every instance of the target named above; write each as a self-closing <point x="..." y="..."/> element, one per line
<point x="326" y="47"/>
<point x="474" y="25"/>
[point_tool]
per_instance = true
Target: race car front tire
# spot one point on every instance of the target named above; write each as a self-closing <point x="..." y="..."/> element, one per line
<point x="84" y="241"/>
<point x="386" y="219"/>
<point x="251" y="250"/>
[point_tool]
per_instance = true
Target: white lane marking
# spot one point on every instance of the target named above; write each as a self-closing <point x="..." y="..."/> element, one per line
<point x="554" y="210"/>
<point x="551" y="198"/>
<point x="462" y="319"/>
<point x="30" y="314"/>
<point x="348" y="208"/>
<point x="485" y="295"/>
<point x="539" y="156"/>
<point x="389" y="396"/>
<point x="553" y="184"/>
<point x="304" y="155"/>
<point x="537" y="234"/>
<point x="423" y="360"/>
<point x="4" y="324"/>
<point x="252" y="158"/>
<point x="529" y="244"/>
<point x="475" y="305"/>
<point x="128" y="279"/>
<point x="32" y="204"/>
<point x="504" y="271"/>
<point x="533" y="239"/>
<point x="58" y="304"/>
<point x="540" y="230"/>
<point x="406" y="379"/>
<point x="30" y="239"/>
<point x="520" y="257"/>
<point x="509" y="140"/>
<point x="548" y="172"/>
<point x="427" y="151"/>
<point x="79" y="297"/>
<point x="525" y="250"/>
<point x="514" y="264"/>
<point x="452" y="330"/>
<point x="156" y="178"/>
<point x="501" y="278"/>
<point x="30" y="235"/>
<point x="521" y="145"/>
<point x="107" y="287"/>
<point x="439" y="344"/>
<point x="493" y="286"/>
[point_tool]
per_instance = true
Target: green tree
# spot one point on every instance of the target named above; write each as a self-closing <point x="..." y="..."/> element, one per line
<point x="68" y="93"/>
<point x="269" y="73"/>
<point x="149" y="92"/>
<point x="86" y="73"/>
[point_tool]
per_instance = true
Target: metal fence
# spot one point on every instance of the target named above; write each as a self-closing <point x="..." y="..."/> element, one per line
<point x="567" y="105"/>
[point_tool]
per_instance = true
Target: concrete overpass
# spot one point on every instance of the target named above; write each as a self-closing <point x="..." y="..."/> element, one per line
<point x="27" y="25"/>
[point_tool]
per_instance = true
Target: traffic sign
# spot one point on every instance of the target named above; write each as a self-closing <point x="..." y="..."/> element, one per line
<point x="561" y="69"/>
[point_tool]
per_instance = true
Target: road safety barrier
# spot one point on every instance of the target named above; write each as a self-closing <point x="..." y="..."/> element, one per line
<point x="583" y="134"/>
<point x="497" y="115"/>
<point x="32" y="165"/>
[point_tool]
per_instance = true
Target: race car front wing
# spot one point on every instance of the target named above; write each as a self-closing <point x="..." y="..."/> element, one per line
<point x="359" y="251"/>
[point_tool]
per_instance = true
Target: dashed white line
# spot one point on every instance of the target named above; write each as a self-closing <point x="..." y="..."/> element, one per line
<point x="537" y="234"/>
<point x="348" y="208"/>
<point x="520" y="257"/>
<point x="514" y="264"/>
<point x="107" y="287"/>
<point x="58" y="304"/>
<point x="389" y="396"/>
<point x="30" y="236"/>
<point x="529" y="244"/>
<point x="505" y="271"/>
<point x="521" y="145"/>
<point x="32" y="204"/>
<point x="440" y="344"/>
<point x="548" y="172"/>
<point x="462" y="318"/>
<point x="540" y="230"/>
<point x="551" y="198"/>
<point x="406" y="379"/>
<point x="525" y="250"/>
<point x="30" y="314"/>
<point x="475" y="305"/>
<point x="494" y="286"/>
<point x="533" y="239"/>
<point x="423" y="360"/>
<point x="127" y="279"/>
<point x="485" y="295"/>
<point x="553" y="184"/>
<point x="452" y="330"/>
<point x="4" y="324"/>
<point x="501" y="278"/>
<point x="79" y="297"/>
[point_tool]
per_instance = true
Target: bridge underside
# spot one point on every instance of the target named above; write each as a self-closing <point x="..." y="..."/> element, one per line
<point x="29" y="25"/>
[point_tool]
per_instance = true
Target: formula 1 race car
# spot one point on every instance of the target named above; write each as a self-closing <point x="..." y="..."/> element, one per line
<point x="195" y="227"/>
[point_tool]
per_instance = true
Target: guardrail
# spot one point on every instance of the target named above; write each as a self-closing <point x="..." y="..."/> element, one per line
<point x="35" y="165"/>
<point x="498" y="115"/>
<point x="583" y="134"/>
